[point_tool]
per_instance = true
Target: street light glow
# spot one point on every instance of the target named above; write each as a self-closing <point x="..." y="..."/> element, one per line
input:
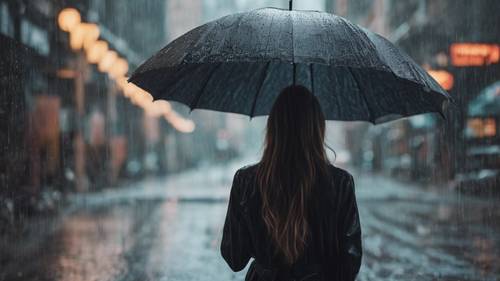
<point x="77" y="36"/>
<point x="92" y="33"/>
<point x="179" y="123"/>
<point x="122" y="82"/>
<point x="68" y="19"/>
<point x="83" y="35"/>
<point x="129" y="90"/>
<point x="118" y="69"/>
<point x="86" y="35"/>
<point x="144" y="96"/>
<point x="97" y="51"/>
<point x="107" y="61"/>
<point x="158" y="108"/>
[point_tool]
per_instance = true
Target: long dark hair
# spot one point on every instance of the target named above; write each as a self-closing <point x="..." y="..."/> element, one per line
<point x="294" y="158"/>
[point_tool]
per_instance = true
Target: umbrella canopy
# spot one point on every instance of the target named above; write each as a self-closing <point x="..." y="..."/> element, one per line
<point x="240" y="63"/>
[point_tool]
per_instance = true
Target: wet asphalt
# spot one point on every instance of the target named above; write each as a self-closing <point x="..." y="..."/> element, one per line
<point x="170" y="229"/>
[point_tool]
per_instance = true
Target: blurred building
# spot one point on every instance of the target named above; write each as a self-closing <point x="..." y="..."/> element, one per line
<point x="432" y="149"/>
<point x="31" y="139"/>
<point x="67" y="125"/>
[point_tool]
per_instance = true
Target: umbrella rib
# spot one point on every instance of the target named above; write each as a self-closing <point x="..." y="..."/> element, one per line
<point x="202" y="37"/>
<point x="264" y="78"/>
<point x="370" y="115"/>
<point x="197" y="99"/>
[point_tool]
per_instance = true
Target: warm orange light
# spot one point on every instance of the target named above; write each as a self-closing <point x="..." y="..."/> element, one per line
<point x="136" y="98"/>
<point x="83" y="35"/>
<point x="475" y="127"/>
<point x="490" y="127"/>
<point x="107" y="61"/>
<point x="68" y="19"/>
<point x="444" y="78"/>
<point x="158" y="108"/>
<point x="179" y="123"/>
<point x="118" y="69"/>
<point x="77" y="36"/>
<point x="480" y="128"/>
<point x="474" y="54"/>
<point x="66" y="73"/>
<point x="140" y="97"/>
<point x="97" y="51"/>
<point x="91" y="34"/>
<point x="143" y="98"/>
<point x="122" y="82"/>
<point x="129" y="90"/>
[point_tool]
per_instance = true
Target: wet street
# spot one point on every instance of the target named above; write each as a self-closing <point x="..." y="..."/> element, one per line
<point x="170" y="229"/>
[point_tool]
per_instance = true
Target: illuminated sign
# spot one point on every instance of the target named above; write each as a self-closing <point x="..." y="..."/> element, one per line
<point x="481" y="128"/>
<point x="474" y="54"/>
<point x="444" y="78"/>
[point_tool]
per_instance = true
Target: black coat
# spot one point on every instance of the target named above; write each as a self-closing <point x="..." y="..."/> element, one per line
<point x="333" y="250"/>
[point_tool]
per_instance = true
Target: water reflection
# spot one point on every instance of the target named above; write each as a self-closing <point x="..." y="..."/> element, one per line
<point x="407" y="233"/>
<point x="92" y="248"/>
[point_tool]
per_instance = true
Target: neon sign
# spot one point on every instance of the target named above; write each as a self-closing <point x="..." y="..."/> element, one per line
<point x="474" y="54"/>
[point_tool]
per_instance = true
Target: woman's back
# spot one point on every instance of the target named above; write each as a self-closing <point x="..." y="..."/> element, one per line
<point x="293" y="212"/>
<point x="333" y="247"/>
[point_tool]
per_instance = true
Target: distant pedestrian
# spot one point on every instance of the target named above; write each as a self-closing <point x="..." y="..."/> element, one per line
<point x="293" y="212"/>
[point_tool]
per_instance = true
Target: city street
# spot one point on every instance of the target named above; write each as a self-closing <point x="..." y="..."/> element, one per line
<point x="124" y="122"/>
<point x="170" y="229"/>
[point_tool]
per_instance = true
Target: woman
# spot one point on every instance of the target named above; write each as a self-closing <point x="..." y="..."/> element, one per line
<point x="293" y="212"/>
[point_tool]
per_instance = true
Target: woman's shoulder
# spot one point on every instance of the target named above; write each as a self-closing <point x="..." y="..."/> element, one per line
<point x="341" y="180"/>
<point x="339" y="173"/>
<point x="243" y="186"/>
<point x="245" y="175"/>
<point x="247" y="171"/>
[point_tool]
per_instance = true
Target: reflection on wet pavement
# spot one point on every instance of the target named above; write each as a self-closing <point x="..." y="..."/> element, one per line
<point x="408" y="234"/>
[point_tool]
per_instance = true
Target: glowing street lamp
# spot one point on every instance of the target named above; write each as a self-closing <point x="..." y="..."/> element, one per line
<point x="179" y="123"/>
<point x="188" y="126"/>
<point x="129" y="90"/>
<point x="86" y="35"/>
<point x="107" y="61"/>
<point x="141" y="97"/>
<point x="97" y="51"/>
<point x="140" y="100"/>
<point x="92" y="33"/>
<point x="158" y="108"/>
<point x="83" y="35"/>
<point x="118" y="69"/>
<point x="77" y="36"/>
<point x="68" y="19"/>
<point x="122" y="82"/>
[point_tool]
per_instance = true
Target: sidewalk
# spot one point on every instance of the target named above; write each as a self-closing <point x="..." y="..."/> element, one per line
<point x="204" y="184"/>
<point x="213" y="183"/>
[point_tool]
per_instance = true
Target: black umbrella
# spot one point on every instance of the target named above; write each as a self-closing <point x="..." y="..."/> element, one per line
<point x="240" y="63"/>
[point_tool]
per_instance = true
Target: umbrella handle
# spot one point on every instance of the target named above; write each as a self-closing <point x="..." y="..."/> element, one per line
<point x="290" y="5"/>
